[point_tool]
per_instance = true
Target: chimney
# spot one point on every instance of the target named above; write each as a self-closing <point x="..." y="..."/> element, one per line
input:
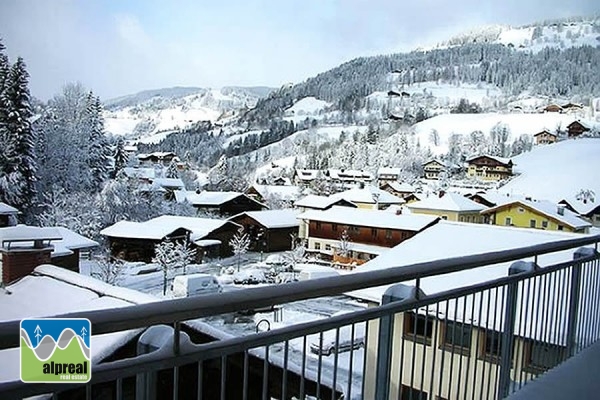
<point x="23" y="248"/>
<point x="560" y="210"/>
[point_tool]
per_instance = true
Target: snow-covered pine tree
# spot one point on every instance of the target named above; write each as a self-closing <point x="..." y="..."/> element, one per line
<point x="9" y="191"/>
<point x="16" y="99"/>
<point x="98" y="149"/>
<point x="172" y="171"/>
<point x="121" y="157"/>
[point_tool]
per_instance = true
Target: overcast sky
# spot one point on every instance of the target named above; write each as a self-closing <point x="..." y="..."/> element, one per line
<point x="118" y="47"/>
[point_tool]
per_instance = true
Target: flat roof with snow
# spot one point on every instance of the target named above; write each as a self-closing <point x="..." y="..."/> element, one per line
<point x="24" y="233"/>
<point x="370" y="218"/>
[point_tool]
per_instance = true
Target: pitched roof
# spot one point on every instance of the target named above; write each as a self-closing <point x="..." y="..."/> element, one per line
<point x="5" y="209"/>
<point x="388" y="171"/>
<point x="369" y="218"/>
<point x="272" y="219"/>
<point x="368" y="195"/>
<point x="319" y="202"/>
<point x="547" y="208"/>
<point x="168" y="183"/>
<point x="141" y="173"/>
<point x="307" y="174"/>
<point x="158" y="228"/>
<point x="544" y="132"/>
<point x="581" y="207"/>
<point x="349" y="174"/>
<point x="24" y="233"/>
<point x="495" y="197"/>
<point x="401" y="187"/>
<point x="448" y="202"/>
<point x="503" y="160"/>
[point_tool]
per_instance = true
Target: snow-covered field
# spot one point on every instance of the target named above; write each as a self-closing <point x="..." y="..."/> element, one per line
<point x="463" y="124"/>
<point x="307" y="106"/>
<point x="557" y="171"/>
<point x="473" y="93"/>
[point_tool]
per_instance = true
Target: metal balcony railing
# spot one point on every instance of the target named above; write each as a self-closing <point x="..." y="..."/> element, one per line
<point x="482" y="341"/>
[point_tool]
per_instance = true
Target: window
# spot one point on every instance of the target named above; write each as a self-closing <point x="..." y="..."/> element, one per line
<point x="317" y="246"/>
<point x="458" y="334"/>
<point x="318" y="224"/>
<point x="444" y="217"/>
<point x="560" y="227"/>
<point x="418" y="327"/>
<point x="373" y="233"/>
<point x="407" y="392"/>
<point x="521" y="209"/>
<point x="327" y="247"/>
<point x="461" y="219"/>
<point x="388" y="233"/>
<point x="532" y="223"/>
<point x="492" y="344"/>
<point x="334" y="227"/>
<point x="542" y="356"/>
<point x="353" y="229"/>
<point x="545" y="224"/>
<point x="508" y="221"/>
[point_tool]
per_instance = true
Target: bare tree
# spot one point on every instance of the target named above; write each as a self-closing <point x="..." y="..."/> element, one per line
<point x="109" y="271"/>
<point x="240" y="242"/>
<point x="585" y="195"/>
<point x="344" y="249"/>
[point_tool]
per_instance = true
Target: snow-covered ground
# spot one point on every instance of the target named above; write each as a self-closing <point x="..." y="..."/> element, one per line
<point x="463" y="124"/>
<point x="557" y="171"/>
<point x="472" y="92"/>
<point x="307" y="106"/>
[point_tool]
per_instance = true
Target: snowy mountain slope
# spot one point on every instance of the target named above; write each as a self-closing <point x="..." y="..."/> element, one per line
<point x="307" y="106"/>
<point x="164" y="110"/>
<point x="557" y="171"/>
<point x="561" y="34"/>
<point x="463" y="124"/>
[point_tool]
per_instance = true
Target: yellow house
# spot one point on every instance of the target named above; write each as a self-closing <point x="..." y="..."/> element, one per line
<point x="449" y="206"/>
<point x="537" y="214"/>
<point x="489" y="168"/>
<point x="429" y="346"/>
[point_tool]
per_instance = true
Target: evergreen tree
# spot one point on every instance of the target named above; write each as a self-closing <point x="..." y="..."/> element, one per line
<point x="16" y="100"/>
<point x="172" y="171"/>
<point x="121" y="157"/>
<point x="98" y="149"/>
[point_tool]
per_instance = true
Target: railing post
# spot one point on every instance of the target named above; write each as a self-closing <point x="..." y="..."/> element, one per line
<point x="574" y="291"/>
<point x="508" y="329"/>
<point x="396" y="293"/>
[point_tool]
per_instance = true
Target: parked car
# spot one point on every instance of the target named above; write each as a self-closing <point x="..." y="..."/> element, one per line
<point x="250" y="276"/>
<point x="345" y="340"/>
<point x="195" y="285"/>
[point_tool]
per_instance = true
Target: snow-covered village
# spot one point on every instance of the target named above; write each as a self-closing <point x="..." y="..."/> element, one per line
<point x="299" y="219"/>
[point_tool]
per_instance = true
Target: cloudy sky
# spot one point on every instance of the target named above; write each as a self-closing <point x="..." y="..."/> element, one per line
<point x="117" y="47"/>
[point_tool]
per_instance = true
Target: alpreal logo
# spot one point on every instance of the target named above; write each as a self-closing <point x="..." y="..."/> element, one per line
<point x="56" y="350"/>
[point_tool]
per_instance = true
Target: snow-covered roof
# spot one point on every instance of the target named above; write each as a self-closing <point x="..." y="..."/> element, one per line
<point x="283" y="192"/>
<point x="388" y="171"/>
<point x="502" y="160"/>
<point x="363" y="248"/>
<point x="548" y="209"/>
<point x="369" y="218"/>
<point x="206" y="198"/>
<point x="158" y="228"/>
<point x="141" y="173"/>
<point x="402" y="187"/>
<point x="5" y="209"/>
<point x="457" y="239"/>
<point x="496" y="197"/>
<point x="572" y="164"/>
<point x="349" y="174"/>
<point x="168" y="183"/>
<point x="582" y="207"/>
<point x="435" y="160"/>
<point x="368" y="195"/>
<point x="544" y="132"/>
<point x="24" y="233"/>
<point x="448" y="202"/>
<point x="51" y="291"/>
<point x="157" y="154"/>
<point x="318" y="202"/>
<point x="307" y="174"/>
<point x="286" y="218"/>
